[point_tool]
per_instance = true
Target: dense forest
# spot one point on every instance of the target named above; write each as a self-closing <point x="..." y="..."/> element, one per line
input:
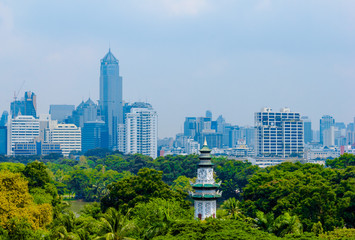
<point x="137" y="197"/>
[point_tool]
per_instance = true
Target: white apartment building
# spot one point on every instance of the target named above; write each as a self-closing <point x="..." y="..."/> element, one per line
<point x="279" y="134"/>
<point x="141" y="132"/>
<point x="67" y="135"/>
<point x="22" y="129"/>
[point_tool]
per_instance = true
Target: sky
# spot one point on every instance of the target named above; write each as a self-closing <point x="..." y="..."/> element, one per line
<point x="232" y="57"/>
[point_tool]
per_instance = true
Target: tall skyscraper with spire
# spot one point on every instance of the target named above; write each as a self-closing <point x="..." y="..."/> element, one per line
<point x="111" y="97"/>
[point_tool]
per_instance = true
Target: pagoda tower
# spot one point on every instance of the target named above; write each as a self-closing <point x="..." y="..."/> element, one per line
<point x="205" y="194"/>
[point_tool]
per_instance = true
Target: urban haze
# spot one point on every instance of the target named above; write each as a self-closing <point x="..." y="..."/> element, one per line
<point x="185" y="57"/>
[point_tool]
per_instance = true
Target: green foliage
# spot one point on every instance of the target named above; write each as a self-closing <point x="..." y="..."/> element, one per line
<point x="36" y="173"/>
<point x="232" y="206"/>
<point x="234" y="175"/>
<point x="146" y="185"/>
<point x="345" y="234"/>
<point x="115" y="225"/>
<point x="343" y="161"/>
<point x="282" y="225"/>
<point x="12" y="167"/>
<point x="310" y="191"/>
<point x="182" y="183"/>
<point x="214" y="229"/>
<point x="156" y="217"/>
<point x="317" y="228"/>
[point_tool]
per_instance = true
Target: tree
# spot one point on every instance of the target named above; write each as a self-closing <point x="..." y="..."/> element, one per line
<point x="234" y="176"/>
<point x="36" y="173"/>
<point x="310" y="191"/>
<point x="343" y="161"/>
<point x="115" y="226"/>
<point x="182" y="183"/>
<point x="146" y="185"/>
<point x="16" y="202"/>
<point x="232" y="207"/>
<point x="155" y="217"/>
<point x="317" y="228"/>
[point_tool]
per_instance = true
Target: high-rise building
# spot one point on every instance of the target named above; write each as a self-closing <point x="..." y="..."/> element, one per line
<point x="22" y="129"/>
<point x="111" y="97"/>
<point x="307" y="126"/>
<point x="68" y="136"/>
<point x="141" y="132"/>
<point x="26" y="106"/>
<point x="209" y="114"/>
<point x="329" y="136"/>
<point x="85" y="112"/>
<point x="92" y="135"/>
<point x="325" y="123"/>
<point x="4" y="118"/>
<point x="61" y="112"/>
<point x="190" y="127"/>
<point x="279" y="134"/>
<point x="3" y="140"/>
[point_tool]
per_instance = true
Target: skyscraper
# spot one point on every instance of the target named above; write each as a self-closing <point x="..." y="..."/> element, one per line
<point x="278" y="134"/>
<point x="85" y="112"/>
<point x="307" y="126"/>
<point x="26" y="106"/>
<point x="141" y="131"/>
<point x="325" y="123"/>
<point x="4" y="118"/>
<point x="111" y="97"/>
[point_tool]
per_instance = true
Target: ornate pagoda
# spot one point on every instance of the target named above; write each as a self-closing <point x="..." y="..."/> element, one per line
<point x="205" y="194"/>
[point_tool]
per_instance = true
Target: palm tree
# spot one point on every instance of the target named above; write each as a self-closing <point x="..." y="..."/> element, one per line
<point x="265" y="221"/>
<point x="159" y="227"/>
<point x="115" y="226"/>
<point x="286" y="224"/>
<point x="232" y="207"/>
<point x="282" y="225"/>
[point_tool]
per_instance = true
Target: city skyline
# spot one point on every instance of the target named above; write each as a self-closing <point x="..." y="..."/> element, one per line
<point x="237" y="57"/>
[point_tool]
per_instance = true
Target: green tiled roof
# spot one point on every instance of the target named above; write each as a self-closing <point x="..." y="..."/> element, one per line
<point x="206" y="185"/>
<point x="206" y="196"/>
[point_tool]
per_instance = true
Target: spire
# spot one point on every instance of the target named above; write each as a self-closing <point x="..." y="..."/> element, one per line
<point x="205" y="143"/>
<point x="109" y="58"/>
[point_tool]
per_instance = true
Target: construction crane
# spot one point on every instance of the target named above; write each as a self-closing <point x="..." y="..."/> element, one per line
<point x="13" y="108"/>
<point x="16" y="94"/>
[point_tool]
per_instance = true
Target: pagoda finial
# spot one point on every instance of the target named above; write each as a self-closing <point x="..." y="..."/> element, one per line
<point x="205" y="143"/>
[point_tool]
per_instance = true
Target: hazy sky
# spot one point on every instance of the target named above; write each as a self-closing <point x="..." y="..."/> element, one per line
<point x="185" y="56"/>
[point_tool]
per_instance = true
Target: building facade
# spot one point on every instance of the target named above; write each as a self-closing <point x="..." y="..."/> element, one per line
<point x="68" y="136"/>
<point x="22" y="129"/>
<point x="141" y="132"/>
<point x="92" y="135"/>
<point x="325" y="123"/>
<point x="3" y="140"/>
<point x="279" y="134"/>
<point x="26" y="106"/>
<point x="111" y="97"/>
<point x="307" y="126"/>
<point x="86" y="112"/>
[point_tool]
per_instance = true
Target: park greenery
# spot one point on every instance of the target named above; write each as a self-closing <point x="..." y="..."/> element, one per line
<point x="137" y="197"/>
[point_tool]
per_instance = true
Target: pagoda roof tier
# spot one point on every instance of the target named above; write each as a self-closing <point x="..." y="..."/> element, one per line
<point x="205" y="164"/>
<point x="206" y="196"/>
<point x="206" y="185"/>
